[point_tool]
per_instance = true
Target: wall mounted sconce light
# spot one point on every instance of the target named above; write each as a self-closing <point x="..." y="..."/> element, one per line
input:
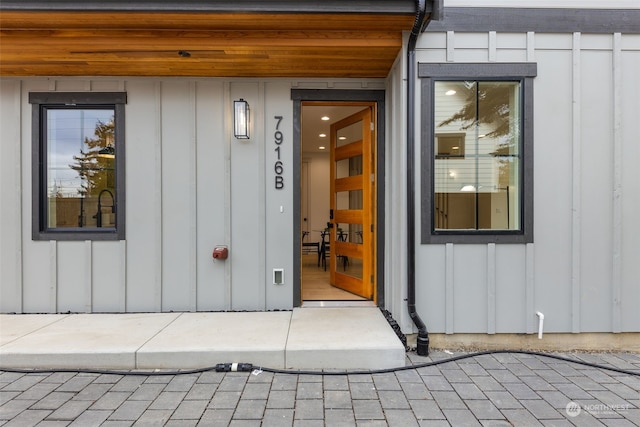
<point x="241" y="119"/>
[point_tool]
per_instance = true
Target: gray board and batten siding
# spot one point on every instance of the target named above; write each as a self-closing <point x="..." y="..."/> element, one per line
<point x="580" y="269"/>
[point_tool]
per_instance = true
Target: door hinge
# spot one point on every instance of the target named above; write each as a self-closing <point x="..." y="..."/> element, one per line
<point x="372" y="228"/>
<point x="372" y="126"/>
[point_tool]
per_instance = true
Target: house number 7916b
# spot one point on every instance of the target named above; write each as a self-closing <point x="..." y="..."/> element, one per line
<point x="278" y="167"/>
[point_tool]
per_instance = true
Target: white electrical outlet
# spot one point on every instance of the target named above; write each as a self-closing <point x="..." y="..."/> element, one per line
<point x="278" y="276"/>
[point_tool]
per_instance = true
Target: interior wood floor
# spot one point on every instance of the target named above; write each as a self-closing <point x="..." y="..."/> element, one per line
<point x="316" y="286"/>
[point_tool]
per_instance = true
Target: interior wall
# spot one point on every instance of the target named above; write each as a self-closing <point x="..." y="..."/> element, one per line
<point x="317" y="193"/>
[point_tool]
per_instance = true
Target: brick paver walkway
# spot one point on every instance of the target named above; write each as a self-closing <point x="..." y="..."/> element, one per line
<point x="489" y="390"/>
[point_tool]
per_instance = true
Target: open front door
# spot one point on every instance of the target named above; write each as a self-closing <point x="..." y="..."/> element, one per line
<point x="352" y="193"/>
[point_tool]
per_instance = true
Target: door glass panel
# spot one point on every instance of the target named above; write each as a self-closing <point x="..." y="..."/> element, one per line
<point x="349" y="200"/>
<point x="349" y="134"/>
<point x="350" y="266"/>
<point x="351" y="233"/>
<point x="351" y="166"/>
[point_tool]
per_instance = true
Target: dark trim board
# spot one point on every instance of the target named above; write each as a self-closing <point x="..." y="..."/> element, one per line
<point x="478" y="70"/>
<point x="551" y="20"/>
<point x="330" y="95"/>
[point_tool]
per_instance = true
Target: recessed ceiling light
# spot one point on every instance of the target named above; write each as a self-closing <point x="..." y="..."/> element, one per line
<point x="325" y="118"/>
<point x="322" y="147"/>
<point x="342" y="138"/>
<point x="450" y="92"/>
<point x="323" y="135"/>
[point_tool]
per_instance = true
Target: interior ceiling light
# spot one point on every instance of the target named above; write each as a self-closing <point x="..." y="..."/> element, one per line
<point x="323" y="135"/>
<point x="325" y="118"/>
<point x="450" y="92"/>
<point x="322" y="147"/>
<point x="342" y="138"/>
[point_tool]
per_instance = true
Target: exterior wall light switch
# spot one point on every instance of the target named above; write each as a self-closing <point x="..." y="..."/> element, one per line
<point x="278" y="276"/>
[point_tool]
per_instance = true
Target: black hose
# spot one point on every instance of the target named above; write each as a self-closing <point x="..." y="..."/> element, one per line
<point x="247" y="367"/>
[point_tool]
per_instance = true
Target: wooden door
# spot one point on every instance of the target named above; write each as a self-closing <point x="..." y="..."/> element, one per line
<point x="352" y="192"/>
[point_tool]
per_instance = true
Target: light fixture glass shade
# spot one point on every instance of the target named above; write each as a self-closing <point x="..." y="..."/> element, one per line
<point x="241" y="119"/>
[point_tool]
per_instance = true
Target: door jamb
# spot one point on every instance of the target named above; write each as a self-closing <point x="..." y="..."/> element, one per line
<point x="331" y="95"/>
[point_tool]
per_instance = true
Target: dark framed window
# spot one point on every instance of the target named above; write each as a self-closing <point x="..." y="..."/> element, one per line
<point x="477" y="152"/>
<point x="78" y="165"/>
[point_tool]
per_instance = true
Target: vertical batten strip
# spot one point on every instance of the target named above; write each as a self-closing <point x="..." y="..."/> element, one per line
<point x="18" y="193"/>
<point x="616" y="273"/>
<point x="88" y="276"/>
<point x="531" y="46"/>
<point x="158" y="197"/>
<point x="529" y="296"/>
<point x="450" y="46"/>
<point x="122" y="301"/>
<point x="492" y="46"/>
<point x="576" y="203"/>
<point x="193" y="200"/>
<point x="228" y="123"/>
<point x="448" y="285"/>
<point x="491" y="288"/>
<point x="53" y="276"/>
<point x="262" y="221"/>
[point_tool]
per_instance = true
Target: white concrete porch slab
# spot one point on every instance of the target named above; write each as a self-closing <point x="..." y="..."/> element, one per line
<point x="197" y="340"/>
<point x="342" y="338"/>
<point x="85" y="341"/>
<point x="305" y="338"/>
<point x="14" y="326"/>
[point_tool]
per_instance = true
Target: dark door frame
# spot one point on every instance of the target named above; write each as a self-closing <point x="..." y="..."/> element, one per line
<point x="378" y="96"/>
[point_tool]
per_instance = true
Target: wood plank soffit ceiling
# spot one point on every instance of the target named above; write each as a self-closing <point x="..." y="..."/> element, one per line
<point x="64" y="42"/>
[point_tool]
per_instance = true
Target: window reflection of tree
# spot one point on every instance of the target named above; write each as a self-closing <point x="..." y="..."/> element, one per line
<point x="96" y="168"/>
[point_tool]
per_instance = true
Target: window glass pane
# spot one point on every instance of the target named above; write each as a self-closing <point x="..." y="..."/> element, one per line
<point x="477" y="155"/>
<point x="80" y="168"/>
